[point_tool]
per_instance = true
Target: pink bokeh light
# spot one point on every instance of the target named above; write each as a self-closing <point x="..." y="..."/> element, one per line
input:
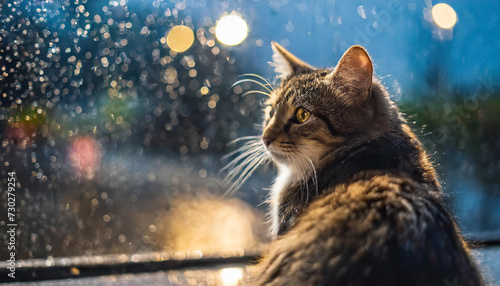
<point x="85" y="153"/>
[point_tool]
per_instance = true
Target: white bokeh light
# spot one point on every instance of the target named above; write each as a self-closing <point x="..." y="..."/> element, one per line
<point x="231" y="276"/>
<point x="231" y="30"/>
<point x="444" y="15"/>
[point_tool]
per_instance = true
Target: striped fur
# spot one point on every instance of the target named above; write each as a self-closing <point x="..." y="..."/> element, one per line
<point x="356" y="201"/>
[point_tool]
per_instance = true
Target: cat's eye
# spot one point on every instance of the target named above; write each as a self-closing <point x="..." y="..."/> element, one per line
<point x="302" y="115"/>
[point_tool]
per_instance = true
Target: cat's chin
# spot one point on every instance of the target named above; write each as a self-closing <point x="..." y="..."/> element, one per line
<point x="279" y="158"/>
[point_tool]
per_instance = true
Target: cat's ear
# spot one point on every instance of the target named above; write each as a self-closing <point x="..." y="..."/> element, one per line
<point x="355" y="70"/>
<point x="286" y="64"/>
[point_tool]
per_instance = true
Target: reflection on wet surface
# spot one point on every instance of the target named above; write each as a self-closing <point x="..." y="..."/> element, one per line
<point x="232" y="274"/>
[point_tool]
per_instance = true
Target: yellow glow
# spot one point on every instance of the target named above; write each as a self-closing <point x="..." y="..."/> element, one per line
<point x="444" y="16"/>
<point x="231" y="30"/>
<point x="180" y="38"/>
<point x="231" y="276"/>
<point x="204" y="90"/>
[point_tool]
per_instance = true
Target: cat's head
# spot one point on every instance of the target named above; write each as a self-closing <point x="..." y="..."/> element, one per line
<point x="316" y="112"/>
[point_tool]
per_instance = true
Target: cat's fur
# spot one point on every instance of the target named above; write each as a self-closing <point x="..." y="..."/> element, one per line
<point x="356" y="200"/>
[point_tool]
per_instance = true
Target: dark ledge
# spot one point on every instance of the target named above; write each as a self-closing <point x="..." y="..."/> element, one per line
<point x="112" y="264"/>
<point x="116" y="264"/>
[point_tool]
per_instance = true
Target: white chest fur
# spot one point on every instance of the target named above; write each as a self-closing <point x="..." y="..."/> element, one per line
<point x="283" y="180"/>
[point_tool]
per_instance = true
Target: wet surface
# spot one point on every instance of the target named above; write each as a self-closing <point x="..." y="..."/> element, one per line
<point x="231" y="275"/>
<point x="85" y="267"/>
<point x="211" y="273"/>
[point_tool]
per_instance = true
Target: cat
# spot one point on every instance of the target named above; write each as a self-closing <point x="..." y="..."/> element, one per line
<point x="356" y="200"/>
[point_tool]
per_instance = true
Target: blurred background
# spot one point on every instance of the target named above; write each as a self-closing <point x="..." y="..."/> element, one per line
<point x="115" y="114"/>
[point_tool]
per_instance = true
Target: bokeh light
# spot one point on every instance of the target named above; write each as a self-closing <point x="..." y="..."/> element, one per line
<point x="231" y="276"/>
<point x="85" y="154"/>
<point x="210" y="226"/>
<point x="19" y="134"/>
<point x="180" y="38"/>
<point x="231" y="30"/>
<point x="444" y="15"/>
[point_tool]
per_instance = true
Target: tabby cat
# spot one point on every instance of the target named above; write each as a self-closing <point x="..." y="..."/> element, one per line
<point x="356" y="200"/>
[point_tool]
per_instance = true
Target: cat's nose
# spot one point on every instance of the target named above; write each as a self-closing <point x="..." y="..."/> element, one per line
<point x="268" y="140"/>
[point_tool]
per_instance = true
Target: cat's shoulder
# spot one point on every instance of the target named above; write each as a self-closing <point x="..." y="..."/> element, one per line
<point x="362" y="228"/>
<point x="375" y="198"/>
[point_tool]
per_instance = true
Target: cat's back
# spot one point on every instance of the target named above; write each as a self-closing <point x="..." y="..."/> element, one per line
<point x="377" y="229"/>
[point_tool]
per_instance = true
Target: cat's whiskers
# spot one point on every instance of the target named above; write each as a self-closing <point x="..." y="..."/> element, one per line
<point x="314" y="176"/>
<point x="296" y="164"/>
<point x="251" y="155"/>
<point x="255" y="91"/>
<point x="269" y="90"/>
<point x="245" y="138"/>
<point x="244" y="170"/>
<point x="266" y="85"/>
<point x="247" y="172"/>
<point x="261" y="78"/>
<point x="303" y="171"/>
<point x="303" y="168"/>
<point x="243" y="150"/>
<point x="242" y="160"/>
<point x="297" y="168"/>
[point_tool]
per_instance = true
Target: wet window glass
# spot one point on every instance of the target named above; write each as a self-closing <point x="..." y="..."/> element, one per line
<point x="118" y="117"/>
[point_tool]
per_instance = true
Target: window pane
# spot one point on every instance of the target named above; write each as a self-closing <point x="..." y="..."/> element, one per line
<point x="116" y="116"/>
